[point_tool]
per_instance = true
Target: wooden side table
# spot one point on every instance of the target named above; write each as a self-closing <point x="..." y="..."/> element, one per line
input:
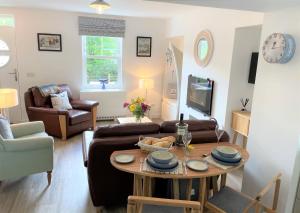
<point x="240" y="125"/>
<point x="125" y="120"/>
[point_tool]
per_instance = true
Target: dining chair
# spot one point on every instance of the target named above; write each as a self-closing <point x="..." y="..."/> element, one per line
<point x="137" y="204"/>
<point x="227" y="200"/>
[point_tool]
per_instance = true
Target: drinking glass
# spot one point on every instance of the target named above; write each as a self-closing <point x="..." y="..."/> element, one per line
<point x="219" y="130"/>
<point x="186" y="139"/>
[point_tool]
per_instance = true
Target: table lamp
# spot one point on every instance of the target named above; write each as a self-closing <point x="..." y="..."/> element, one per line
<point x="8" y="98"/>
<point x="146" y="83"/>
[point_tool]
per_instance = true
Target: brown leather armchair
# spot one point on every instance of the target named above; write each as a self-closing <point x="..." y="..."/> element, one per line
<point x="60" y="123"/>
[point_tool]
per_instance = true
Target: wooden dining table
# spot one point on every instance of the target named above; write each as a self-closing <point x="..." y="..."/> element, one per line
<point x="143" y="180"/>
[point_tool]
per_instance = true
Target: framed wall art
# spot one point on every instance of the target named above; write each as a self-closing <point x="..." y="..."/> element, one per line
<point x="49" y="42"/>
<point x="143" y="46"/>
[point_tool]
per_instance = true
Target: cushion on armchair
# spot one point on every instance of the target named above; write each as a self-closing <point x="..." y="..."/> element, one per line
<point x="39" y="99"/>
<point x="60" y="101"/>
<point x="5" y="130"/>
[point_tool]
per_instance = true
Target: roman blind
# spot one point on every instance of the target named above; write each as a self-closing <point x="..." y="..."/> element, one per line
<point x="101" y="27"/>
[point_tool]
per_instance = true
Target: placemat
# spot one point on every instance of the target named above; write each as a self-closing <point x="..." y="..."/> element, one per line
<point x="177" y="171"/>
<point x="210" y="160"/>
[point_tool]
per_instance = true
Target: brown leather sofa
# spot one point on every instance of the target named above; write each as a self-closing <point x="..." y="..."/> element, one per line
<point x="60" y="123"/>
<point x="109" y="186"/>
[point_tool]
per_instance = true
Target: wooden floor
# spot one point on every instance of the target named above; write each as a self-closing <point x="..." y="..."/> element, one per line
<point x="68" y="192"/>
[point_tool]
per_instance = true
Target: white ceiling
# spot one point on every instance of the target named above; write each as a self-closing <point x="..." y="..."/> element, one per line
<point x="253" y="5"/>
<point x="152" y="8"/>
<point x="119" y="7"/>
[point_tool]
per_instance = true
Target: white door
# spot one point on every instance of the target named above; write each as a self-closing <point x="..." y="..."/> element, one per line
<point x="9" y="77"/>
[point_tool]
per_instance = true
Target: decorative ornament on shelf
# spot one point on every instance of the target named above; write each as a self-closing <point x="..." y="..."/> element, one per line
<point x="103" y="81"/>
<point x="169" y="56"/>
<point x="244" y="103"/>
<point x="138" y="108"/>
<point x="279" y="48"/>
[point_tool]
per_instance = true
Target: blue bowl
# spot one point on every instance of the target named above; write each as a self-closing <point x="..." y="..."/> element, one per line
<point x="162" y="157"/>
<point x="172" y="164"/>
<point x="227" y="151"/>
<point x="236" y="159"/>
<point x="164" y="170"/>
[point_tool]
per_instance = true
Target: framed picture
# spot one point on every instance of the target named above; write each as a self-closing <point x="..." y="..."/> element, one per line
<point x="49" y="42"/>
<point x="143" y="46"/>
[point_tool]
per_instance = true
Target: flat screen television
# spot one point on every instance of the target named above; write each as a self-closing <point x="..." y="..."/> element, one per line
<point x="200" y="94"/>
<point x="253" y="68"/>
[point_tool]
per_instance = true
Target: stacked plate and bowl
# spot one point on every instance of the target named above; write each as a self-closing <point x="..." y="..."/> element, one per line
<point x="226" y="155"/>
<point x="163" y="161"/>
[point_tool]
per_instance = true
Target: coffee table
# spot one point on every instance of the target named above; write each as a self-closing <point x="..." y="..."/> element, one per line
<point x="143" y="180"/>
<point x="126" y="120"/>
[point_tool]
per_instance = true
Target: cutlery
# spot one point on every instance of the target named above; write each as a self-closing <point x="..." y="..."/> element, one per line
<point x="141" y="164"/>
<point x="184" y="166"/>
<point x="205" y="155"/>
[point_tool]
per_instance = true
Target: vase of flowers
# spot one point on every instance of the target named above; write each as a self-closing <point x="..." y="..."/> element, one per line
<point x="138" y="108"/>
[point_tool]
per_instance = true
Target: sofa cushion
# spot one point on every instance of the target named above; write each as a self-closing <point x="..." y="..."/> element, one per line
<point x="39" y="99"/>
<point x="65" y="87"/>
<point x="60" y="101"/>
<point x="126" y="129"/>
<point x="79" y="116"/>
<point x="5" y="130"/>
<point x="194" y="125"/>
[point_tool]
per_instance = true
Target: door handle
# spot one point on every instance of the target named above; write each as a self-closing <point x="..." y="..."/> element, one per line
<point x="14" y="73"/>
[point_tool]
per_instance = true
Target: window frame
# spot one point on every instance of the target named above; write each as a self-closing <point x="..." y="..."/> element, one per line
<point x="86" y="85"/>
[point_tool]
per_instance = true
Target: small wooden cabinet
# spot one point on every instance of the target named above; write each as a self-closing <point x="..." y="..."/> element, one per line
<point x="240" y="125"/>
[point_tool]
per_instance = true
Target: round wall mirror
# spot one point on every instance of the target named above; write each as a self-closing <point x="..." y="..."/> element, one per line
<point x="203" y="49"/>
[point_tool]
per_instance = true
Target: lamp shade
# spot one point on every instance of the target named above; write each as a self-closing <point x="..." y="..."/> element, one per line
<point x="100" y="5"/>
<point x="146" y="83"/>
<point x="8" y="98"/>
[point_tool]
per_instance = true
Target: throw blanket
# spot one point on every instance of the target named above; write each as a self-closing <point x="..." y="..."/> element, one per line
<point x="46" y="90"/>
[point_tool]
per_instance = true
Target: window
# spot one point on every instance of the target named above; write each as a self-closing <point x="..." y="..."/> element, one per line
<point x="7" y="20"/>
<point x="102" y="58"/>
<point x="4" y="53"/>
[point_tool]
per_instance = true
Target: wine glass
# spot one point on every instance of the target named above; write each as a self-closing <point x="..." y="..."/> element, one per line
<point x="219" y="130"/>
<point x="186" y="139"/>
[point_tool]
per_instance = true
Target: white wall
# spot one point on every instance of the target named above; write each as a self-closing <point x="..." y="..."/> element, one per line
<point x="37" y="68"/>
<point x="222" y="24"/>
<point x="275" y="119"/>
<point x="246" y="41"/>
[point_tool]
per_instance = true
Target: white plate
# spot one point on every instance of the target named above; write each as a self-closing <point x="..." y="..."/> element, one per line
<point x="124" y="158"/>
<point x="197" y="165"/>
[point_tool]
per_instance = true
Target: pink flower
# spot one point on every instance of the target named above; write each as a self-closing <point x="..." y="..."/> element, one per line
<point x="126" y="104"/>
<point x="145" y="107"/>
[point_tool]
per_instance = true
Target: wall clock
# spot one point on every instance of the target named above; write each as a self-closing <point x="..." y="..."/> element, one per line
<point x="203" y="48"/>
<point x="279" y="48"/>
